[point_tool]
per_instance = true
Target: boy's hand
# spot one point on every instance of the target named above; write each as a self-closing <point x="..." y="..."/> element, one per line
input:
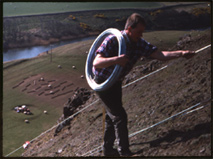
<point x="188" y="54"/>
<point x="122" y="60"/>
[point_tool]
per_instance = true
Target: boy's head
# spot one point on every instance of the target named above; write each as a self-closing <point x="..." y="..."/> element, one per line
<point x="135" y="26"/>
<point x="133" y="20"/>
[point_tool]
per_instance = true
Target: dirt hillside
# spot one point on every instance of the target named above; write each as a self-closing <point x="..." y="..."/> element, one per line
<point x="184" y="83"/>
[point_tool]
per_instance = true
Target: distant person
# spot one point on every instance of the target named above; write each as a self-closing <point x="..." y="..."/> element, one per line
<point x="103" y="65"/>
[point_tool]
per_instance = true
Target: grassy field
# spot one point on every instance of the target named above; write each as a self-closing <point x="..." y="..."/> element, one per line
<point x="29" y="8"/>
<point x="15" y="131"/>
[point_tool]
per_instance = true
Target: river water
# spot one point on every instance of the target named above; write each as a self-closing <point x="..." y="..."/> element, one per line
<point x="30" y="52"/>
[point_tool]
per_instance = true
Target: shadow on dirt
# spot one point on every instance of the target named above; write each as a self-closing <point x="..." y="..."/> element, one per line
<point x="176" y="136"/>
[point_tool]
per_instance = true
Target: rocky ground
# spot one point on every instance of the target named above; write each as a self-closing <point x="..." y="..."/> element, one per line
<point x="184" y="83"/>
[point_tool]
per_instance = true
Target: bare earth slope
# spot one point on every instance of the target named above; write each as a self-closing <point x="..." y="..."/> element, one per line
<point x="183" y="84"/>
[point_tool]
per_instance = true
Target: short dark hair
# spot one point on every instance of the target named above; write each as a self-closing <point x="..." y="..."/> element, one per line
<point x="133" y="20"/>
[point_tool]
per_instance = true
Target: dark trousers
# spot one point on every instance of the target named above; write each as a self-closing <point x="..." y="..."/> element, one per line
<point x="116" y="118"/>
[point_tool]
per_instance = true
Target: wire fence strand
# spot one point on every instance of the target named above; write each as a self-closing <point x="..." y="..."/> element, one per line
<point x="182" y="113"/>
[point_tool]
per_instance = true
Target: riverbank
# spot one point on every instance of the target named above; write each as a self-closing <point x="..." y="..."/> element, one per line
<point x="17" y="55"/>
<point x="26" y="31"/>
<point x="35" y="51"/>
<point x="37" y="41"/>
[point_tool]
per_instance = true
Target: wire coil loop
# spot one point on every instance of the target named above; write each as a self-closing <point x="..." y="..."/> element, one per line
<point x="91" y="56"/>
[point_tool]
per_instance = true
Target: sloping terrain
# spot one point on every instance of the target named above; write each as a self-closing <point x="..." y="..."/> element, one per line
<point x="184" y="83"/>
